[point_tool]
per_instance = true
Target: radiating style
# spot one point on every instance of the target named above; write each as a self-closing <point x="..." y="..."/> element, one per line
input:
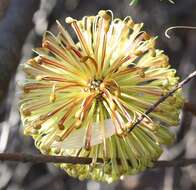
<point x="80" y="98"/>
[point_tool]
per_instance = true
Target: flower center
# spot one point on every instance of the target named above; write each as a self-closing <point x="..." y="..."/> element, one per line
<point x="95" y="85"/>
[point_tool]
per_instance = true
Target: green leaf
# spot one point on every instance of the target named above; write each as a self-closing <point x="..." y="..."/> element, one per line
<point x="133" y="2"/>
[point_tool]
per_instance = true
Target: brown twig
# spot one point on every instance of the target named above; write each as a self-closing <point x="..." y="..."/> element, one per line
<point x="163" y="98"/>
<point x="19" y="157"/>
<point x="174" y="163"/>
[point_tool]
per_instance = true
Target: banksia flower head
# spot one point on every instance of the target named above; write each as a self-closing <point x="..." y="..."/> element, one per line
<point x="81" y="99"/>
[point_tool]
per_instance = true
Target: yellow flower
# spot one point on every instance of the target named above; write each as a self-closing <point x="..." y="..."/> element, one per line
<point x="81" y="99"/>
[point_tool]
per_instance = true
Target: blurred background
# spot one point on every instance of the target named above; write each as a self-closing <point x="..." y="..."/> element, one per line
<point x="22" y="24"/>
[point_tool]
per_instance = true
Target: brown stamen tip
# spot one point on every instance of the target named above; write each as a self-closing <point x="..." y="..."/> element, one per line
<point x="26" y="112"/>
<point x="57" y="150"/>
<point x="61" y="126"/>
<point x="25" y="89"/>
<point x="57" y="138"/>
<point x="45" y="44"/>
<point x="142" y="74"/>
<point x="138" y="53"/>
<point x="67" y="132"/>
<point x="37" y="126"/>
<point x="43" y="117"/>
<point x="87" y="145"/>
<point x="165" y="64"/>
<point x="84" y="59"/>
<point x="68" y="47"/>
<point x="88" y="148"/>
<point x="146" y="36"/>
<point x="45" y="149"/>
